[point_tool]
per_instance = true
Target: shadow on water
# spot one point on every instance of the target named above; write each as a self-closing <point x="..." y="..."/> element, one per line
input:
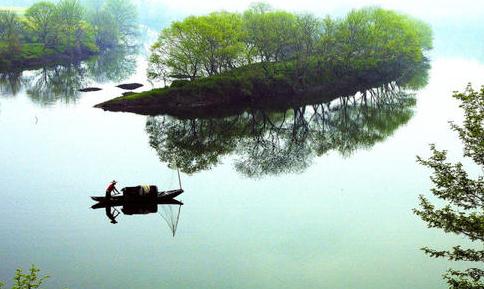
<point x="168" y="211"/>
<point x="284" y="137"/>
<point x="273" y="143"/>
<point x="113" y="66"/>
<point x="61" y="83"/>
<point x="11" y="83"/>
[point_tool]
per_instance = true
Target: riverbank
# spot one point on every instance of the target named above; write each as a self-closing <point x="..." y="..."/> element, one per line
<point x="278" y="85"/>
<point x="32" y="56"/>
<point x="50" y="33"/>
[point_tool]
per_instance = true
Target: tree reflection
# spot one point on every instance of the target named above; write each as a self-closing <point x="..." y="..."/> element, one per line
<point x="49" y="85"/>
<point x="272" y="143"/>
<point x="10" y="83"/>
<point x="59" y="83"/>
<point x="278" y="143"/>
<point x="113" y="65"/>
<point x="192" y="145"/>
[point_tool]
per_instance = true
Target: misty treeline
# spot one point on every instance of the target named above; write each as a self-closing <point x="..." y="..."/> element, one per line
<point x="48" y="29"/>
<point x="201" y="46"/>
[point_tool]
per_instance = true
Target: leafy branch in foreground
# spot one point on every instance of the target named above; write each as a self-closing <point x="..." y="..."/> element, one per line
<point x="463" y="212"/>
<point x="28" y="280"/>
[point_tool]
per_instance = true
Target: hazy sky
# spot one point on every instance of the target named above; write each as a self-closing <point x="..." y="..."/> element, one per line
<point x="440" y="10"/>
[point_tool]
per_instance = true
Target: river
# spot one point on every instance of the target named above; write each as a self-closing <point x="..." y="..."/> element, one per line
<point x="341" y="220"/>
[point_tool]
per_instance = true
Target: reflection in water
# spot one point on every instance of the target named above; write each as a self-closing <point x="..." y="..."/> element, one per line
<point x="114" y="65"/>
<point x="49" y="85"/>
<point x="59" y="83"/>
<point x="10" y="83"/>
<point x="141" y="200"/>
<point x="169" y="211"/>
<point x="272" y="143"/>
<point x="284" y="136"/>
<point x="112" y="213"/>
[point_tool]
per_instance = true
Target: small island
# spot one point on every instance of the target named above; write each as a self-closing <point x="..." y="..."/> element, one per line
<point x="49" y="33"/>
<point x="226" y="62"/>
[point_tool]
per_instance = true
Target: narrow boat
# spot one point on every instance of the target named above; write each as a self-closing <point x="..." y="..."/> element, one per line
<point x="117" y="203"/>
<point x="132" y="195"/>
<point x="142" y="200"/>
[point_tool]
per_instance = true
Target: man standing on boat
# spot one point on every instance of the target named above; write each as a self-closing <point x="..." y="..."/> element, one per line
<point x="111" y="187"/>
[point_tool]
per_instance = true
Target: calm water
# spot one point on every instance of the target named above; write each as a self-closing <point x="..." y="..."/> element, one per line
<point x="340" y="221"/>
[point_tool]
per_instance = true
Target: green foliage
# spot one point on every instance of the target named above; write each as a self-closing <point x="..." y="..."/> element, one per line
<point x="198" y="46"/>
<point x="262" y="56"/>
<point x="28" y="280"/>
<point x="201" y="46"/>
<point x="41" y="20"/>
<point x="115" y="23"/>
<point x="10" y="30"/>
<point x="61" y="83"/>
<point x="270" y="34"/>
<point x="371" y="36"/>
<point x="463" y="213"/>
<point x="50" y="31"/>
<point x="107" y="32"/>
<point x="69" y="15"/>
<point x="125" y="17"/>
<point x="33" y="51"/>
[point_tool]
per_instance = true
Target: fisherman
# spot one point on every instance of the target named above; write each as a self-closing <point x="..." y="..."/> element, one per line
<point x="111" y="187"/>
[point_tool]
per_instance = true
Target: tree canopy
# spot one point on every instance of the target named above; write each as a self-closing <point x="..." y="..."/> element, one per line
<point x="463" y="196"/>
<point x="67" y="28"/>
<point x="201" y="46"/>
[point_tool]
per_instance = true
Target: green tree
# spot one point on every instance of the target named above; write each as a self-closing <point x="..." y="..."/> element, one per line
<point x="198" y="46"/>
<point x="287" y="44"/>
<point x="370" y="36"/>
<point x="29" y="280"/>
<point x="176" y="53"/>
<point x="125" y="17"/>
<point x="11" y="29"/>
<point x="463" y="213"/>
<point x="69" y="15"/>
<point x="41" y="20"/>
<point x="107" y="30"/>
<point x="270" y="34"/>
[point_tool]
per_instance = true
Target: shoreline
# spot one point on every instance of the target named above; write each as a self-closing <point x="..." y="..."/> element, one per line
<point x="51" y="60"/>
<point x="248" y="88"/>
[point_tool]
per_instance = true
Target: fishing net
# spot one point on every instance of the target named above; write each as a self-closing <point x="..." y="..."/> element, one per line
<point x="171" y="215"/>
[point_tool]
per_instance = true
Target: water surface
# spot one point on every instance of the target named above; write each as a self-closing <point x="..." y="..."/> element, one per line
<point x="342" y="221"/>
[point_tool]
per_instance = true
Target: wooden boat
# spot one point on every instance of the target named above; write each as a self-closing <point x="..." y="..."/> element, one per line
<point x="164" y="197"/>
<point x="117" y="203"/>
<point x="142" y="200"/>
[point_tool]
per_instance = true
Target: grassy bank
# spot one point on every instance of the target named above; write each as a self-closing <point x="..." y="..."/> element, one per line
<point x="265" y="57"/>
<point x="262" y="85"/>
<point x="32" y="55"/>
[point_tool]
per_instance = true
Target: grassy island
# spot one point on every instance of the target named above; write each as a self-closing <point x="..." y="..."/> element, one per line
<point x="47" y="32"/>
<point x="261" y="57"/>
